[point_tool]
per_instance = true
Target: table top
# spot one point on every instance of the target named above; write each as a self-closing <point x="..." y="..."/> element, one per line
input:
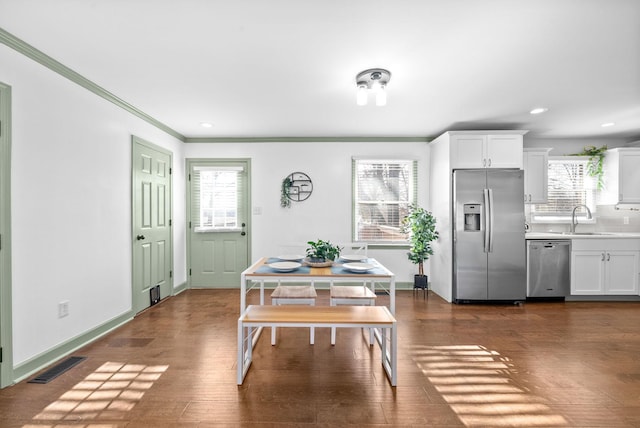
<point x="305" y="314"/>
<point x="261" y="268"/>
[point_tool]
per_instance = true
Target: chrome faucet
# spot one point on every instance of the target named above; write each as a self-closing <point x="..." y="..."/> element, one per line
<point x="574" y="220"/>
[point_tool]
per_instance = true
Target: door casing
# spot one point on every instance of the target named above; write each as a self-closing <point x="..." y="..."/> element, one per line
<point x="6" y="333"/>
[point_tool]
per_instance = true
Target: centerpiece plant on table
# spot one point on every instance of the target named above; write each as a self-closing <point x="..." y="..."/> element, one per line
<point x="322" y="252"/>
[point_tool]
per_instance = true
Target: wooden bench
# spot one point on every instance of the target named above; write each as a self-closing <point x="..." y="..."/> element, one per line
<point x="256" y="316"/>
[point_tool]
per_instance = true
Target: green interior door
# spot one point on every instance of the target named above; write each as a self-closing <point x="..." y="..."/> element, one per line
<point x="152" y="247"/>
<point x="218" y="222"/>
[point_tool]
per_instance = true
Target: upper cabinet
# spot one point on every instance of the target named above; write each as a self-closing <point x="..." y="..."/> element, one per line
<point x="536" y="171"/>
<point x="486" y="149"/>
<point x="621" y="177"/>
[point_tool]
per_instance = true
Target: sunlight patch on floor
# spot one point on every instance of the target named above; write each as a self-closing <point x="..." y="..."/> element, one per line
<point x="476" y="382"/>
<point x="106" y="394"/>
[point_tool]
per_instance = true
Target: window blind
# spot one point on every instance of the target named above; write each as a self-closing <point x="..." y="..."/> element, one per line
<point x="383" y="191"/>
<point x="569" y="185"/>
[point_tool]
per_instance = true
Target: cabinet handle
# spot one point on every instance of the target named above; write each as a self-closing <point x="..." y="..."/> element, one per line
<point x="529" y="197"/>
<point x="608" y="257"/>
<point x="489" y="162"/>
<point x="484" y="162"/>
<point x="602" y="257"/>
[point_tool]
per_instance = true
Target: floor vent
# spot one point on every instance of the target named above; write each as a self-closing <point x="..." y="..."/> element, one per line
<point x="57" y="370"/>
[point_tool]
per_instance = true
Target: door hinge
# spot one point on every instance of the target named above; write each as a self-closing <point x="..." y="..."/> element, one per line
<point x="189" y="272"/>
<point x="170" y="274"/>
<point x="170" y="222"/>
<point x="189" y="176"/>
<point x="170" y="169"/>
<point x="0" y="355"/>
<point x="189" y="225"/>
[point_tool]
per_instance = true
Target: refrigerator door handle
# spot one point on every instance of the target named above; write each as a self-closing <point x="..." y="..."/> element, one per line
<point x="490" y="191"/>
<point x="487" y="221"/>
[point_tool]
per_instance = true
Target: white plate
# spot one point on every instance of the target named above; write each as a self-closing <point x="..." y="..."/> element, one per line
<point x="358" y="267"/>
<point x="284" y="266"/>
<point x="353" y="257"/>
<point x="291" y="257"/>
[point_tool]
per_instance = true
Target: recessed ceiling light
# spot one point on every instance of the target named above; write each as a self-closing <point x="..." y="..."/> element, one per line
<point x="206" y="124"/>
<point x="608" y="124"/>
<point x="538" y="110"/>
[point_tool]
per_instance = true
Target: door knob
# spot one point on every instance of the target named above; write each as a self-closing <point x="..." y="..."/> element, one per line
<point x="140" y="237"/>
<point x="243" y="233"/>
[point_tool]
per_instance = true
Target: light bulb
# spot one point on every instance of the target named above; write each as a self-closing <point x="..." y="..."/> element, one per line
<point x="361" y="95"/>
<point x="381" y="96"/>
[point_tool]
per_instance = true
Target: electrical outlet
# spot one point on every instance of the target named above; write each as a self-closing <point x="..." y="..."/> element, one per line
<point x="625" y="220"/>
<point x="63" y="309"/>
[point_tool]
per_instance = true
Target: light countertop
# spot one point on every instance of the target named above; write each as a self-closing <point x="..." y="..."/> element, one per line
<point x="581" y="235"/>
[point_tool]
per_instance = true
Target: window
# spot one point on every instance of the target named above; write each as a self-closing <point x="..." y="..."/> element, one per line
<point x="216" y="197"/>
<point x="382" y="193"/>
<point x="569" y="185"/>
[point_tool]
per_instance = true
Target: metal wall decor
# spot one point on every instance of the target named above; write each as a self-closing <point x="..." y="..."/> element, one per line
<point x="300" y="186"/>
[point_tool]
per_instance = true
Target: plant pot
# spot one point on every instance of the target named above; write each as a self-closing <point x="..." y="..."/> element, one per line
<point x="421" y="281"/>
<point x="317" y="262"/>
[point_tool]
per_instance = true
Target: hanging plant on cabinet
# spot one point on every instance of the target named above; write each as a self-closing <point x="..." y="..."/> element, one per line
<point x="595" y="167"/>
<point x="285" y="201"/>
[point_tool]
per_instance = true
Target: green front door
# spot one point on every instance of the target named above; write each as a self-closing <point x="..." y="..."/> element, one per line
<point x="218" y="192"/>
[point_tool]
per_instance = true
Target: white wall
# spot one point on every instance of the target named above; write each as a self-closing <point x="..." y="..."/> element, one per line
<point x="71" y="206"/>
<point x="327" y="213"/>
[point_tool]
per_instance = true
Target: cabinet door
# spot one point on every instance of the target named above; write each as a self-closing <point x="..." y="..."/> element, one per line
<point x="468" y="151"/>
<point x="621" y="273"/>
<point x="630" y="177"/>
<point x="587" y="272"/>
<point x="504" y="151"/>
<point x="536" y="170"/>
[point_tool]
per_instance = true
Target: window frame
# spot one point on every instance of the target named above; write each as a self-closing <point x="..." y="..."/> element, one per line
<point x="589" y="186"/>
<point x="197" y="217"/>
<point x="412" y="195"/>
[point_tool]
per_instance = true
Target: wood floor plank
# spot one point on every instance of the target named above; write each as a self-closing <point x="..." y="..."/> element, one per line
<point x="573" y="364"/>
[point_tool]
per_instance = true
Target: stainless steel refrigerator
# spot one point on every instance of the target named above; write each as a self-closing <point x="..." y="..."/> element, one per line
<point x="489" y="252"/>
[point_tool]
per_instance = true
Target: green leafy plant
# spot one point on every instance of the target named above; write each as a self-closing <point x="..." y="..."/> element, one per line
<point x="322" y="250"/>
<point x="595" y="167"/>
<point x="285" y="201"/>
<point x="420" y="225"/>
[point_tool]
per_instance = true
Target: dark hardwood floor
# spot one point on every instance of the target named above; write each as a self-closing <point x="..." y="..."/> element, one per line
<point x="536" y="365"/>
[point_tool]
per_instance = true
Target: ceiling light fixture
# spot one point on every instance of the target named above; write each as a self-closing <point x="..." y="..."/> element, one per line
<point x="538" y="110"/>
<point x="608" y="124"/>
<point x="206" y="124"/>
<point x="374" y="80"/>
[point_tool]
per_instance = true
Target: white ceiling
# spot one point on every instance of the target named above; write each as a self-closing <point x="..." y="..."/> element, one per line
<point x="286" y="68"/>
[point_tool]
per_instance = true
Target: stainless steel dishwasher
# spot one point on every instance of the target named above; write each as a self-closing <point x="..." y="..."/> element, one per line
<point x="548" y="268"/>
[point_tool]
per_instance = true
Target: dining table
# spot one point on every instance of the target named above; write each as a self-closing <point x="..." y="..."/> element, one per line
<point x="377" y="277"/>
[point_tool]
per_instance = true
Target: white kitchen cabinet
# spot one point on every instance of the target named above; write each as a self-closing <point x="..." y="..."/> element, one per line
<point x="621" y="177"/>
<point x="473" y="149"/>
<point x="536" y="172"/>
<point x="604" y="267"/>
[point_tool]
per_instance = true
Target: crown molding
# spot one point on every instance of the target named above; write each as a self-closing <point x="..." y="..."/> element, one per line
<point x="40" y="57"/>
<point x="307" y="140"/>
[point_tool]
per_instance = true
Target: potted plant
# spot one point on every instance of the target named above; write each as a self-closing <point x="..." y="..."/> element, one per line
<point x="420" y="225"/>
<point x="322" y="252"/>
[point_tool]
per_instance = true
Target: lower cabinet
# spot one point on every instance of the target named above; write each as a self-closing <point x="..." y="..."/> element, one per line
<point x="604" y="267"/>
